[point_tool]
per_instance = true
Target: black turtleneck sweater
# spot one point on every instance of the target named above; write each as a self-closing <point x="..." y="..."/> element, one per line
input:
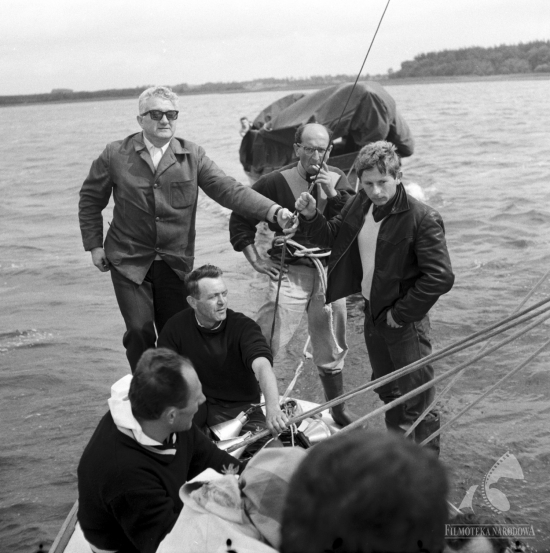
<point x="223" y="356"/>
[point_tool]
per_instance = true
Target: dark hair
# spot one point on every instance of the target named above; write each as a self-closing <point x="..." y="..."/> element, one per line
<point x="460" y="537"/>
<point x="192" y="279"/>
<point x="366" y="492"/>
<point x="381" y="155"/>
<point x="301" y="128"/>
<point x="158" y="383"/>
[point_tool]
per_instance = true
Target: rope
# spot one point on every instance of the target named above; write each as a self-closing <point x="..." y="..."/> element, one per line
<point x="279" y="281"/>
<point x="315" y="254"/>
<point x="458" y="375"/>
<point x="305" y="355"/>
<point x="487" y="392"/>
<point x="405" y="370"/>
<point x="441" y="377"/>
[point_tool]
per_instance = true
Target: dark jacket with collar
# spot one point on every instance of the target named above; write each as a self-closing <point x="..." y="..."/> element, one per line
<point x="412" y="265"/>
<point x="155" y="210"/>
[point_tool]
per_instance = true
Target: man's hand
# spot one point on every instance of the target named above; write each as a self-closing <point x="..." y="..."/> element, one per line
<point x="276" y="419"/>
<point x="99" y="259"/>
<point x="262" y="265"/>
<point x="306" y="205"/>
<point x="390" y="320"/>
<point x="288" y="222"/>
<point x="324" y="179"/>
<point x="268" y="267"/>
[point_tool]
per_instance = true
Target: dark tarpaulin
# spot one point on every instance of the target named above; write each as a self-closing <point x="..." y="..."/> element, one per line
<point x="370" y="115"/>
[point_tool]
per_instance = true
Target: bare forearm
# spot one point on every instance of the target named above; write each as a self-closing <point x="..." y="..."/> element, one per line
<point x="266" y="379"/>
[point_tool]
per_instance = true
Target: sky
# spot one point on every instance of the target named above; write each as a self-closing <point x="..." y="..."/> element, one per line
<point x="100" y="44"/>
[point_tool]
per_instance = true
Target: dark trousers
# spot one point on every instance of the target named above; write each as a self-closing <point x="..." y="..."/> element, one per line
<point x="391" y="349"/>
<point x="147" y="306"/>
<point x="214" y="411"/>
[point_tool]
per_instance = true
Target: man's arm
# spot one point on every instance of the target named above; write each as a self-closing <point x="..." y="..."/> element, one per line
<point x="235" y="196"/>
<point x="145" y="516"/>
<point x="314" y="225"/>
<point x="169" y="336"/>
<point x="276" y="419"/>
<point x="437" y="276"/>
<point x="207" y="455"/>
<point x="94" y="197"/>
<point x="340" y="193"/>
<point x="242" y="234"/>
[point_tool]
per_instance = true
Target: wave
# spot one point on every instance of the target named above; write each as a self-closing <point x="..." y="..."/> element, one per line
<point x="23" y="339"/>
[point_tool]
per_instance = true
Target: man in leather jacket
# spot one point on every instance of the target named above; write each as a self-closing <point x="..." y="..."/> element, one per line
<point x="391" y="248"/>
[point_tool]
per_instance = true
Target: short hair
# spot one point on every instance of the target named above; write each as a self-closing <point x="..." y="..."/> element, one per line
<point x="192" y="279"/>
<point x="301" y="128"/>
<point x="158" y="383"/>
<point x="366" y="492"/>
<point x="160" y="91"/>
<point x="379" y="155"/>
<point x="460" y="538"/>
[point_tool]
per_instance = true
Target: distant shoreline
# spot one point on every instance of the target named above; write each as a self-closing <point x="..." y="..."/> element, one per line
<point x="19" y="100"/>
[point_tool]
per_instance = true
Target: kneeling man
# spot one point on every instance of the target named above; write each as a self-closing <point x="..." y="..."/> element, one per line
<point x="144" y="449"/>
<point x="229" y="353"/>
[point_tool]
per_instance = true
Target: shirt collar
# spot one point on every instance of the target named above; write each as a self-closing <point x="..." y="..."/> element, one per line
<point x="202" y="326"/>
<point x="151" y="147"/>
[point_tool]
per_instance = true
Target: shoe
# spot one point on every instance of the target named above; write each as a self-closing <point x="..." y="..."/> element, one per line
<point x="426" y="428"/>
<point x="333" y="384"/>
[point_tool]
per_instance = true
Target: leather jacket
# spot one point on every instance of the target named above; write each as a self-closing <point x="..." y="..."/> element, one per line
<point x="412" y="265"/>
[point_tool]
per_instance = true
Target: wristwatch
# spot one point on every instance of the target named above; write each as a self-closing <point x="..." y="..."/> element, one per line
<point x="275" y="214"/>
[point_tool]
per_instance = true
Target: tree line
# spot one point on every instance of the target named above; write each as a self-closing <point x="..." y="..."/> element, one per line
<point x="68" y="95"/>
<point x="531" y="57"/>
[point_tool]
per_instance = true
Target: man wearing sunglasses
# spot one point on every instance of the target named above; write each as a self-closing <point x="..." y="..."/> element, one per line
<point x="301" y="288"/>
<point x="154" y="179"/>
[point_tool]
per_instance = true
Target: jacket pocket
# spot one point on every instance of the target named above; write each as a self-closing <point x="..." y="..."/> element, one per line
<point x="182" y="194"/>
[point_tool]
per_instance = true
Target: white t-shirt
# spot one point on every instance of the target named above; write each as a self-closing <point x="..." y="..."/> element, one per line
<point x="368" y="235"/>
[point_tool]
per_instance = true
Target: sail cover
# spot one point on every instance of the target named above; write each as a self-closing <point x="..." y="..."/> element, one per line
<point x="370" y="115"/>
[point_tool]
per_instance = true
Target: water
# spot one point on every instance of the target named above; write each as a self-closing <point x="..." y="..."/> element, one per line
<point x="482" y="160"/>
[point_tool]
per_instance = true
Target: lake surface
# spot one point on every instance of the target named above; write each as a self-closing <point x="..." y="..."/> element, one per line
<point x="482" y="159"/>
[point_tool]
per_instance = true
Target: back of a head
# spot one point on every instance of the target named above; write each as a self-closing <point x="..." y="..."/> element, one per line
<point x="366" y="492"/>
<point x="158" y="383"/>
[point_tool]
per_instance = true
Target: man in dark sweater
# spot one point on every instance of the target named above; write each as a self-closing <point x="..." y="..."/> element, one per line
<point x="301" y="290"/>
<point x="229" y="353"/>
<point x="143" y="450"/>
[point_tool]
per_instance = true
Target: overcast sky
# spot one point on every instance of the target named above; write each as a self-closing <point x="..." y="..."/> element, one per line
<point x="98" y="44"/>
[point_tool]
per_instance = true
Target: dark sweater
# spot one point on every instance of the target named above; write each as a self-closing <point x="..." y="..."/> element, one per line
<point x="129" y="494"/>
<point x="242" y="230"/>
<point x="222" y="357"/>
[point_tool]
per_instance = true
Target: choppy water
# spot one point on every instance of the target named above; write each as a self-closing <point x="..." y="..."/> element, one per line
<point x="483" y="160"/>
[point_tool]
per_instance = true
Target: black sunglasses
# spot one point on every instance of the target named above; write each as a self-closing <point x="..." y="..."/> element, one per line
<point x="157" y="115"/>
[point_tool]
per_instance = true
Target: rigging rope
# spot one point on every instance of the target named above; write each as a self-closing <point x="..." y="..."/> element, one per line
<point x="458" y="375"/>
<point x="319" y="170"/>
<point x="489" y="332"/>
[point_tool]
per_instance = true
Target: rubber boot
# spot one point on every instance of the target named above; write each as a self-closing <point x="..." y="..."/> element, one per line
<point x="333" y="384"/>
